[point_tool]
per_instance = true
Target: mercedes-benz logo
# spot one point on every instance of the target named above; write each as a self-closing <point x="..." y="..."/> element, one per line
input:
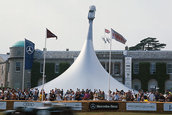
<point x="29" y="50"/>
<point x="92" y="106"/>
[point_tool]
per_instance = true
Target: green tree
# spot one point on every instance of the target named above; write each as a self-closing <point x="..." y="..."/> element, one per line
<point x="148" y="44"/>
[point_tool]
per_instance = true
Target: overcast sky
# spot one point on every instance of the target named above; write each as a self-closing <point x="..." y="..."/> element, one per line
<point x="134" y="19"/>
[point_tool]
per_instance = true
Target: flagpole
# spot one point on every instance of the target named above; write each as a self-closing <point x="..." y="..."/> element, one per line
<point x="43" y="77"/>
<point x="23" y="66"/>
<point x="49" y="34"/>
<point x="109" y="64"/>
<point x="104" y="33"/>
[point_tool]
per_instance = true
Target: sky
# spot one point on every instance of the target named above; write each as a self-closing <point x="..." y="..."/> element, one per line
<point x="134" y="19"/>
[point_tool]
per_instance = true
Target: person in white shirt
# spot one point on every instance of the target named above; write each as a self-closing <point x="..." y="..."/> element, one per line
<point x="109" y="97"/>
<point x="58" y="96"/>
<point x="95" y="95"/>
<point x="115" y="96"/>
<point x="151" y="96"/>
<point x="72" y="95"/>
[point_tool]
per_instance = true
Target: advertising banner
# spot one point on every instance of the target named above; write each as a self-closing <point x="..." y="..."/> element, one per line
<point x="3" y="105"/>
<point x="128" y="65"/>
<point x="74" y="106"/>
<point x="167" y="106"/>
<point x="141" y="107"/>
<point x="27" y="104"/>
<point x="103" y="106"/>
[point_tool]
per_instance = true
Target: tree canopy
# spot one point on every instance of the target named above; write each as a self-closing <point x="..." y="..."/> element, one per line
<point x="148" y="44"/>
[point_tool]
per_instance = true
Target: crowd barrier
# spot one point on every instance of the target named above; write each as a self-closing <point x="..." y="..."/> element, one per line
<point x="97" y="106"/>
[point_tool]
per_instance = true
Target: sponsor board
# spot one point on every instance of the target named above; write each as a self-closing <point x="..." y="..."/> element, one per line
<point x="103" y="106"/>
<point x="128" y="66"/>
<point x="167" y="106"/>
<point x="3" y="105"/>
<point x="74" y="106"/>
<point x="27" y="104"/>
<point x="141" y="107"/>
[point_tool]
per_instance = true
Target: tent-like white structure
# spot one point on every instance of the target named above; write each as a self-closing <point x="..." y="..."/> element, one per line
<point x="86" y="72"/>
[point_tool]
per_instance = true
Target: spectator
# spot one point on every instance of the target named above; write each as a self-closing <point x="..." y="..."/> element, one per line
<point x="101" y="95"/>
<point x="157" y="96"/>
<point x="123" y="97"/>
<point x="91" y="95"/>
<point x="72" y="96"/>
<point x="86" y="96"/>
<point x="13" y="96"/>
<point x="35" y="96"/>
<point x="58" y="95"/>
<point x="52" y="96"/>
<point x="2" y="95"/>
<point x="78" y="96"/>
<point x="128" y="96"/>
<point x="22" y="96"/>
<point x="95" y="95"/>
<point x="116" y="96"/>
<point x="161" y="98"/>
<point x="151" y="97"/>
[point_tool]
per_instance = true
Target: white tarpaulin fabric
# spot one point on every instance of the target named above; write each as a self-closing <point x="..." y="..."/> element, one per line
<point x="86" y="72"/>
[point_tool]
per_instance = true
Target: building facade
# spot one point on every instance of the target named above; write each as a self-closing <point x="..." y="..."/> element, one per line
<point x="150" y="70"/>
<point x="4" y="69"/>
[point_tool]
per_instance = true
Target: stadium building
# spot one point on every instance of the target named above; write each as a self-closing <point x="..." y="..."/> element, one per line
<point x="147" y="70"/>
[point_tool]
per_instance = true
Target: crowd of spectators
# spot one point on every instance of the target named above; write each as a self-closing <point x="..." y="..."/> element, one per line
<point x="59" y="95"/>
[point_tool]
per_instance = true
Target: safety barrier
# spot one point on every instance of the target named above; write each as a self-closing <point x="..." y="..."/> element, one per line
<point x="87" y="106"/>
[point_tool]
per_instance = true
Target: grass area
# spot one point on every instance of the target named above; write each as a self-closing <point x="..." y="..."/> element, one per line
<point x="117" y="113"/>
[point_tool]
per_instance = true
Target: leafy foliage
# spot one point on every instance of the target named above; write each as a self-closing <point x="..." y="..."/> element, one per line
<point x="63" y="67"/>
<point x="144" y="75"/>
<point x="36" y="75"/>
<point x="148" y="44"/>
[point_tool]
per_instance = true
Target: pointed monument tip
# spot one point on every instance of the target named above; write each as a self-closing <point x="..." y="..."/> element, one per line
<point x="92" y="8"/>
<point x="91" y="14"/>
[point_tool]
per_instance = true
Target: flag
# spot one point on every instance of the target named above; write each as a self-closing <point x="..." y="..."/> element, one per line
<point x="118" y="37"/>
<point x="107" y="31"/>
<point x="106" y="40"/>
<point x="29" y="51"/>
<point x="50" y="34"/>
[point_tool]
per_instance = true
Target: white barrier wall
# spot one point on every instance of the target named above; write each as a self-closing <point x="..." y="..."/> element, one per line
<point x="27" y="104"/>
<point x="86" y="106"/>
<point x="167" y="106"/>
<point x="3" y="105"/>
<point x="74" y="106"/>
<point x="141" y="107"/>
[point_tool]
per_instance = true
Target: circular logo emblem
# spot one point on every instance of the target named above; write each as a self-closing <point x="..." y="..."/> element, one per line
<point x="92" y="106"/>
<point x="29" y="50"/>
<point x="28" y="104"/>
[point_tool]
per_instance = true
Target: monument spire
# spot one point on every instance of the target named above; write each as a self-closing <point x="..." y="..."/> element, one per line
<point x="91" y="16"/>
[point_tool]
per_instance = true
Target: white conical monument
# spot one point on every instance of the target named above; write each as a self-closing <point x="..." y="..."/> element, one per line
<point x="86" y="72"/>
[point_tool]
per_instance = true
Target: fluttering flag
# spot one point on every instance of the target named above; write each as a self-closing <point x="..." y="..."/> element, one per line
<point x="107" y="31"/>
<point x="106" y="40"/>
<point x="118" y="37"/>
<point x="29" y="51"/>
<point x="50" y="34"/>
